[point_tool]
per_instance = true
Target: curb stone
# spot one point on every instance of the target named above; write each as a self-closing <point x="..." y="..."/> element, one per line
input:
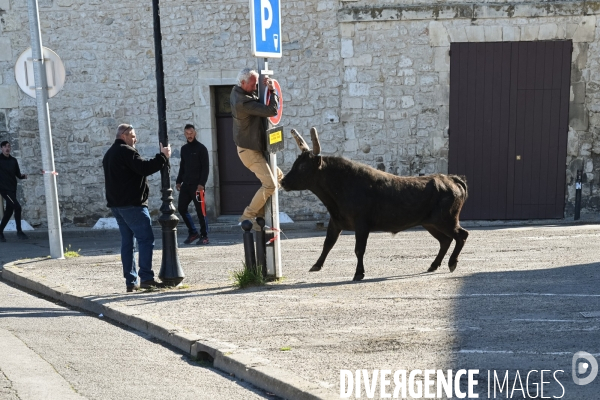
<point x="251" y="368"/>
<point x="248" y="367"/>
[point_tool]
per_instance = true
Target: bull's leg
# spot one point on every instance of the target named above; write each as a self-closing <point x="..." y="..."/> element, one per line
<point x="361" y="236"/>
<point x="445" y="242"/>
<point x="333" y="233"/>
<point x="460" y="236"/>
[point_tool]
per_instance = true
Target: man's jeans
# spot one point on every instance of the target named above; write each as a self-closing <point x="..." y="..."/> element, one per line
<point x="135" y="221"/>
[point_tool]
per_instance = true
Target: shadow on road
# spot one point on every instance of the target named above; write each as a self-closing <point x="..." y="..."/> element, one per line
<point x="510" y="323"/>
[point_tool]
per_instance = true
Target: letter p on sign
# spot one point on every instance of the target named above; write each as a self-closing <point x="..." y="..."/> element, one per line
<point x="266" y="17"/>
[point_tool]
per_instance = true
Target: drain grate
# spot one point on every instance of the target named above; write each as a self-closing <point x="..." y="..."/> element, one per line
<point x="591" y="314"/>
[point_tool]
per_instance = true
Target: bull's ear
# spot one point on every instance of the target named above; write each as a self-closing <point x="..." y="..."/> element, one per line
<point x="300" y="141"/>
<point x="320" y="161"/>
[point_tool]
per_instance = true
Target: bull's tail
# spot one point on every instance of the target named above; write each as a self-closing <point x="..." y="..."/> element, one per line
<point x="461" y="180"/>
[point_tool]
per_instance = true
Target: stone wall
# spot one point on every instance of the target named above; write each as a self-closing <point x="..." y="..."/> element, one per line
<point x="422" y="77"/>
<point x="373" y="77"/>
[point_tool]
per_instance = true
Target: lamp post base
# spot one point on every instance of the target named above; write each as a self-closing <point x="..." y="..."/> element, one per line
<point x="171" y="273"/>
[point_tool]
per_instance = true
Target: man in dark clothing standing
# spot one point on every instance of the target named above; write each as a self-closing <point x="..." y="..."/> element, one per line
<point x="193" y="173"/>
<point x="9" y="172"/>
<point x="125" y="173"/>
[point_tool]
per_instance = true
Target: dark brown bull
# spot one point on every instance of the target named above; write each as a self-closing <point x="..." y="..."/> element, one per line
<point x="362" y="199"/>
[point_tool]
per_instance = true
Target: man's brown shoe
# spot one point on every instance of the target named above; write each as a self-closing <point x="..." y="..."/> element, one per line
<point x="151" y="284"/>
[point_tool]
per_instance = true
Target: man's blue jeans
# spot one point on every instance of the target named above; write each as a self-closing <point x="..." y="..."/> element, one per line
<point x="135" y="221"/>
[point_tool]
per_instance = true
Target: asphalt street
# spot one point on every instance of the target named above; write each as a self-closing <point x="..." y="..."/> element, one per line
<point x="89" y="242"/>
<point x="86" y="243"/>
<point x="523" y="301"/>
<point x="51" y="352"/>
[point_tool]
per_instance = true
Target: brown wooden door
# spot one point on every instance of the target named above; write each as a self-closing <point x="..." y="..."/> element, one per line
<point x="509" y="109"/>
<point x="237" y="183"/>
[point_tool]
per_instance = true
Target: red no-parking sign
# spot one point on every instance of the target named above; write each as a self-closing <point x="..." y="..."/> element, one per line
<point x="275" y="120"/>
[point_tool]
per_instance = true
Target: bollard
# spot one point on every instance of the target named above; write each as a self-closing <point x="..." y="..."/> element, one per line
<point x="249" y="255"/>
<point x="261" y="251"/>
<point x="578" y="194"/>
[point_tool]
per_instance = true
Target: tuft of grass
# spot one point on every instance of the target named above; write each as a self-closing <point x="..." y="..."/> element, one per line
<point x="183" y="286"/>
<point x="287" y="348"/>
<point x="248" y="277"/>
<point x="70" y="253"/>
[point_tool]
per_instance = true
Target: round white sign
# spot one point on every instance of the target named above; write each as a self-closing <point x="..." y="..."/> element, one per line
<point x="55" y="72"/>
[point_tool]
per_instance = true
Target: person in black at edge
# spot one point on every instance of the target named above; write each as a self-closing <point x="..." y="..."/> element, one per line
<point x="9" y="172"/>
<point x="193" y="173"/>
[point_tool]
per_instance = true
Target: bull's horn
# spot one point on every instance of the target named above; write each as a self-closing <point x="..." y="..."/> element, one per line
<point x="300" y="140"/>
<point x="314" y="136"/>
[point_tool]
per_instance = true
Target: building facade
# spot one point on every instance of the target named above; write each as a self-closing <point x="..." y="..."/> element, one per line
<point x="374" y="77"/>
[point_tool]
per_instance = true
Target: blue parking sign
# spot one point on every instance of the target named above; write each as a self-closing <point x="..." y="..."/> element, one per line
<point x="265" y="16"/>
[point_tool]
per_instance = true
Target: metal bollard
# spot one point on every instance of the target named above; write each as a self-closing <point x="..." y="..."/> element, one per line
<point x="261" y="250"/>
<point x="249" y="255"/>
<point x="578" y="194"/>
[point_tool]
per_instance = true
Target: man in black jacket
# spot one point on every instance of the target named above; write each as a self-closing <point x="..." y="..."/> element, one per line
<point x="9" y="172"/>
<point x="193" y="173"/>
<point x="125" y="173"/>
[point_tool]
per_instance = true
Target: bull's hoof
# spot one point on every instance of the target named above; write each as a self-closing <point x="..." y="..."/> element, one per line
<point x="358" y="277"/>
<point x="433" y="268"/>
<point x="315" y="268"/>
<point x="452" y="265"/>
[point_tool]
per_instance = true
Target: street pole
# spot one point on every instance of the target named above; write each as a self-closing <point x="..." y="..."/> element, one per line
<point x="274" y="199"/>
<point x="272" y="205"/>
<point x="41" y="98"/>
<point x="171" y="272"/>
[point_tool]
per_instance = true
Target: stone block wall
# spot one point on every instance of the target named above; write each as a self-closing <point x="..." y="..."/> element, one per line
<point x="373" y="77"/>
<point x="422" y="140"/>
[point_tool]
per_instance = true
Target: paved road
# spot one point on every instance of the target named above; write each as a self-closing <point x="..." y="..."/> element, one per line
<point x="87" y="242"/>
<point x="49" y="352"/>
<point x="94" y="243"/>
<point x="514" y="304"/>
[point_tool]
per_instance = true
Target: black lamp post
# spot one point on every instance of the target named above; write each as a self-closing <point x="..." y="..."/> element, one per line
<point x="170" y="268"/>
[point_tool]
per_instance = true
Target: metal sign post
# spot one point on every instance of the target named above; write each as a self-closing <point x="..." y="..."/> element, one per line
<point x="274" y="253"/>
<point x="274" y="144"/>
<point x="265" y="17"/>
<point x="41" y="97"/>
<point x="272" y="205"/>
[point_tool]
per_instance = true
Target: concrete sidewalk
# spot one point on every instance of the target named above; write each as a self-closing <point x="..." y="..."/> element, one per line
<point x="515" y="303"/>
